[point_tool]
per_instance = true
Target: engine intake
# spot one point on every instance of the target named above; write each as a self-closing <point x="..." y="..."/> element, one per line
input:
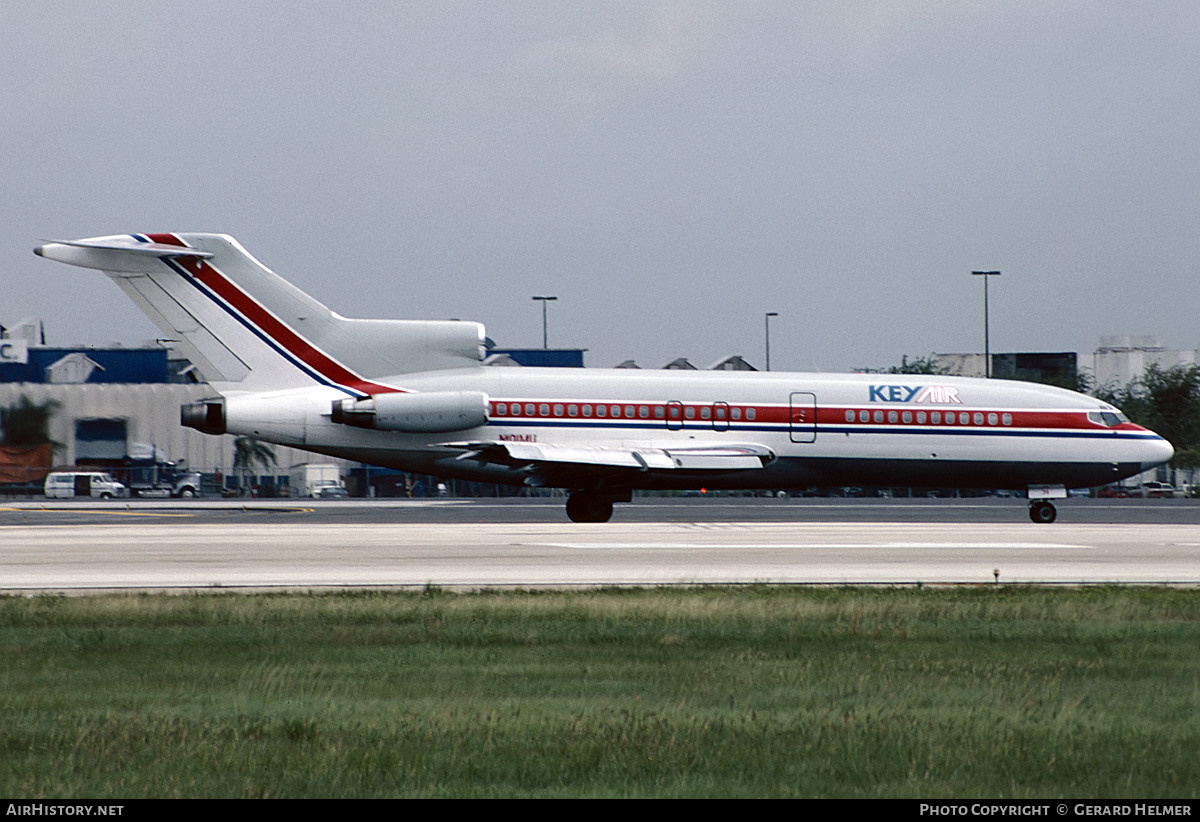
<point x="416" y="413"/>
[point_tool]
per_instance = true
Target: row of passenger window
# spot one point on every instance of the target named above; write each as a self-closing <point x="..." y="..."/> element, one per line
<point x="671" y="411"/>
<point x="933" y="417"/>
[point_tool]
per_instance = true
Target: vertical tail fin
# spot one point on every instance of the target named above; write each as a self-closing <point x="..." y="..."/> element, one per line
<point x="248" y="329"/>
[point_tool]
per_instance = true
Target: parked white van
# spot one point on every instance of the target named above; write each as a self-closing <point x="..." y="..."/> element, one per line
<point x="83" y="484"/>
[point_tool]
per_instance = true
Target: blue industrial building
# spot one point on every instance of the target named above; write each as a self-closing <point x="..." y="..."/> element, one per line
<point x="95" y="365"/>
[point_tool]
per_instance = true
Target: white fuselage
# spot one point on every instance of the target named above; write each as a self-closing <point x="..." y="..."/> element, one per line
<point x="823" y="429"/>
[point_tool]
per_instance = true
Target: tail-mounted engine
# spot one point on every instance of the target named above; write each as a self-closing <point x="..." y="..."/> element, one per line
<point x="417" y="412"/>
<point x="207" y="417"/>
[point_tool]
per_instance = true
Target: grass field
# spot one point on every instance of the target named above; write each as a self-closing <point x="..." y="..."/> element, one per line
<point x="710" y="692"/>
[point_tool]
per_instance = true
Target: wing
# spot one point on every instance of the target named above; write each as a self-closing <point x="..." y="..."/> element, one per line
<point x="544" y="461"/>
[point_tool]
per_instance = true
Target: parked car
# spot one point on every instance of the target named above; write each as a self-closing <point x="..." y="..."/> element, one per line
<point x="1114" y="492"/>
<point x="1161" y="490"/>
<point x="65" y="484"/>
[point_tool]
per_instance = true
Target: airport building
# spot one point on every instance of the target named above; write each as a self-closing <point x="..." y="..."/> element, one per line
<point x="1121" y="360"/>
<point x="1057" y="368"/>
<point x="114" y="405"/>
<point x="1118" y="362"/>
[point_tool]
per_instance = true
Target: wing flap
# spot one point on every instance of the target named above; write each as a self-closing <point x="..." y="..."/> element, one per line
<point x="742" y="457"/>
<point x="721" y="458"/>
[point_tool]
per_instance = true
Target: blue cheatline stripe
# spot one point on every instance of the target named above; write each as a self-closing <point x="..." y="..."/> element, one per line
<point x="316" y="376"/>
<point x="228" y="309"/>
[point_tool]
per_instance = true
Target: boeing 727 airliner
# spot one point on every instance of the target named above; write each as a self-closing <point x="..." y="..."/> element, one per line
<point x="415" y="396"/>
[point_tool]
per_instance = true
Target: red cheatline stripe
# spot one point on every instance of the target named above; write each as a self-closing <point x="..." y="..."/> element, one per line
<point x="270" y="325"/>
<point x="827" y="416"/>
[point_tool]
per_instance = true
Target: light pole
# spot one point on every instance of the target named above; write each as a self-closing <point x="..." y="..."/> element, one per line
<point x="767" y="334"/>
<point x="544" y="300"/>
<point x="987" y="342"/>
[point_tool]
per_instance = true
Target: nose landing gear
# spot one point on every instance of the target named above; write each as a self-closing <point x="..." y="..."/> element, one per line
<point x="1041" y="509"/>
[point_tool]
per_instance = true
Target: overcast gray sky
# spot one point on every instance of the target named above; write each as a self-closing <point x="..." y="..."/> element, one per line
<point x="670" y="170"/>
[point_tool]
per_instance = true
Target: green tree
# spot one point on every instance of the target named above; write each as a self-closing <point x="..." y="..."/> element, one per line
<point x="918" y="365"/>
<point x="915" y="365"/>
<point x="1167" y="401"/>
<point x="27" y="423"/>
<point x="248" y="452"/>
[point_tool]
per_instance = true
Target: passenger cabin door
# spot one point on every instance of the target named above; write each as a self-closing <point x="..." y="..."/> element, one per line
<point x="802" y="417"/>
<point x="720" y="418"/>
<point x="674" y="415"/>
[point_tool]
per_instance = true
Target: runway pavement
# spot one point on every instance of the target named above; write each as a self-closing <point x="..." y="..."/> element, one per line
<point x="83" y="547"/>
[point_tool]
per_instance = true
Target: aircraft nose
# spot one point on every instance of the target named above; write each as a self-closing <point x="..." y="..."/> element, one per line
<point x="1155" y="452"/>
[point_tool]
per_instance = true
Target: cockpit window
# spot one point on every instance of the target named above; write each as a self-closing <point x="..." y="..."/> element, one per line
<point x="1109" y="419"/>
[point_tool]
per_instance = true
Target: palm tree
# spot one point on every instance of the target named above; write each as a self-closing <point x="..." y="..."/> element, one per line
<point x="247" y="452"/>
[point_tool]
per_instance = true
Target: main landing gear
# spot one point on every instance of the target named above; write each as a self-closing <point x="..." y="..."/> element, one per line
<point x="1042" y="512"/>
<point x="589" y="506"/>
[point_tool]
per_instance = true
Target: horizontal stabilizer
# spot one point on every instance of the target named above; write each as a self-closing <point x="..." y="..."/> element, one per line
<point x="143" y="249"/>
<point x="121" y="254"/>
